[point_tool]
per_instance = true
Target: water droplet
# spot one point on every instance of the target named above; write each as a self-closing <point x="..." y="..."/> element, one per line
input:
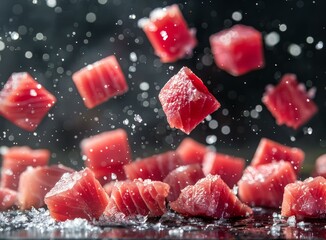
<point x="2" y="45"/>
<point x="282" y="27"/>
<point x="14" y="35"/>
<point x="213" y="124"/>
<point x="246" y="113"/>
<point x="254" y="113"/>
<point x="90" y="17"/>
<point x="39" y="36"/>
<point x="294" y="49"/>
<point x="51" y="3"/>
<point x="272" y="39"/>
<point x="144" y="86"/>
<point x="259" y="108"/>
<point x="28" y="54"/>
<point x="225" y="130"/>
<point x="132" y="16"/>
<point x="310" y="40"/>
<point x="237" y="16"/>
<point x="102" y="1"/>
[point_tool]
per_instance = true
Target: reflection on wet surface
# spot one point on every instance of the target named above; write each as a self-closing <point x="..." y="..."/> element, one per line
<point x="265" y="223"/>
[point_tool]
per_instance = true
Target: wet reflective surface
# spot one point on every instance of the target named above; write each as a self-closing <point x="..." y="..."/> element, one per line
<point x="52" y="39"/>
<point x="264" y="224"/>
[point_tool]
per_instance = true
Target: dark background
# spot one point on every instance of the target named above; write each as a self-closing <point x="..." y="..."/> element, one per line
<point x="70" y="42"/>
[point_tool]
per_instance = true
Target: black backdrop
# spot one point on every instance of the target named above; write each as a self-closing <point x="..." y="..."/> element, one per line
<point x="52" y="39"/>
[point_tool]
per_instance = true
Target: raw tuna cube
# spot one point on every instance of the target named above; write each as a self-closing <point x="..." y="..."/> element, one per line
<point x="106" y="154"/>
<point x="305" y="199"/>
<point x="168" y="33"/>
<point x="8" y="198"/>
<point x="320" y="166"/>
<point x="156" y="167"/>
<point x="191" y="151"/>
<point x="182" y="177"/>
<point x="25" y="102"/>
<point x="100" y="81"/>
<point x="269" y="151"/>
<point x="34" y="183"/>
<point x="186" y="101"/>
<point x="77" y="195"/>
<point x="16" y="160"/>
<point x="238" y="50"/>
<point x="228" y="167"/>
<point x="263" y="185"/>
<point x="289" y="103"/>
<point x="138" y="197"/>
<point x="210" y="197"/>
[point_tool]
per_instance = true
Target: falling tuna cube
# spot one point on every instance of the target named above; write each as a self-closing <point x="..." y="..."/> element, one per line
<point x="168" y="33"/>
<point x="25" y="102"/>
<point x="100" y="81"/>
<point x="238" y="50"/>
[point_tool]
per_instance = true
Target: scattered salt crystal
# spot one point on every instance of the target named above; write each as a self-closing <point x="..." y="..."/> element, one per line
<point x="275" y="230"/>
<point x="157" y="13"/>
<point x="142" y="22"/>
<point x="132" y="69"/>
<point x="132" y="16"/>
<point x="319" y="45"/>
<point x="113" y="176"/>
<point x="138" y="118"/>
<point x="276" y="215"/>
<point x="8" y="172"/>
<point x="133" y="57"/>
<point x="33" y="93"/>
<point x="177" y="232"/>
<point x="301" y="224"/>
<point x="211" y="139"/>
<point x="235" y="189"/>
<point x="291" y="221"/>
<point x="164" y="35"/>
